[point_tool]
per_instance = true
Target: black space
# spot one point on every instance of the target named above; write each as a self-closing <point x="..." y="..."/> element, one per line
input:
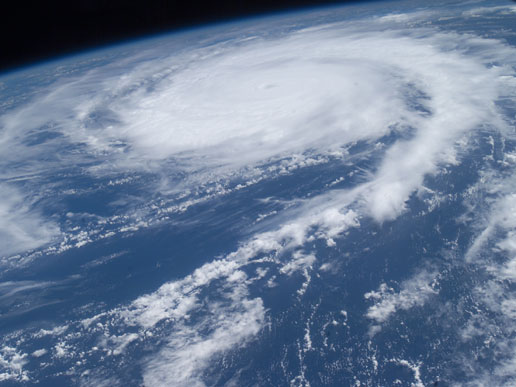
<point x="38" y="30"/>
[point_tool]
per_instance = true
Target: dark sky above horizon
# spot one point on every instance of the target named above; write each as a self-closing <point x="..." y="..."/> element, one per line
<point x="34" y="30"/>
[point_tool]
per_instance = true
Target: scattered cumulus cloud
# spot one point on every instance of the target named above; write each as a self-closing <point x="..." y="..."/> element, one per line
<point x="413" y="292"/>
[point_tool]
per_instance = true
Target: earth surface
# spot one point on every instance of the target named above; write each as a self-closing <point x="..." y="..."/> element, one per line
<point x="325" y="197"/>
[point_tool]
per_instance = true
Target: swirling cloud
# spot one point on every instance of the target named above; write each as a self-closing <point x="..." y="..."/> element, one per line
<point x="235" y="113"/>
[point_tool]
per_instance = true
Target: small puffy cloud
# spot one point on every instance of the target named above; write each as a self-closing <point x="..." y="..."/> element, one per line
<point x="298" y="262"/>
<point x="414" y="292"/>
<point x="39" y="352"/>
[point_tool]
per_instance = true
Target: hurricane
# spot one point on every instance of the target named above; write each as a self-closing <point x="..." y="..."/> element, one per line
<point x="320" y="197"/>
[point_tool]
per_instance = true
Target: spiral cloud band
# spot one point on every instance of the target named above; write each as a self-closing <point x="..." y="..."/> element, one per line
<point x="403" y="99"/>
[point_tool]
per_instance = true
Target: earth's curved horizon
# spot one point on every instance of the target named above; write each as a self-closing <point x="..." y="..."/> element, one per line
<point x="324" y="197"/>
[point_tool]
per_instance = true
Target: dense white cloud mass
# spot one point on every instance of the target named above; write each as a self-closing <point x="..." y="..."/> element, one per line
<point x="210" y="120"/>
